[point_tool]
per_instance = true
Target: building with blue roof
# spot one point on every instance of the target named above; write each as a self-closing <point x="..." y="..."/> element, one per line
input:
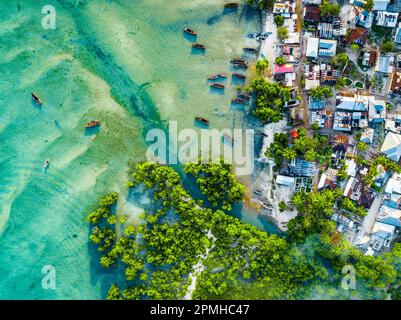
<point x="364" y="19"/>
<point x="327" y="48"/>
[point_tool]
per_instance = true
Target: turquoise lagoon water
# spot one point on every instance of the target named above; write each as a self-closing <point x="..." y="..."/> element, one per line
<point x="125" y="62"/>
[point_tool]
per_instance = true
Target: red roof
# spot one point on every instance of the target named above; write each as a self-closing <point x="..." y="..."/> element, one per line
<point x="285" y="68"/>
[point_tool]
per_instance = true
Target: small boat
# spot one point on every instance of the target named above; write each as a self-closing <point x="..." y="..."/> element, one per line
<point x="217" y="76"/>
<point x="93" y="124"/>
<point x="261" y="38"/>
<point x="238" y="61"/>
<point x="217" y="85"/>
<point x="239" y="75"/>
<point x="231" y="5"/>
<point x="202" y="120"/>
<point x="243" y="96"/>
<point x="36" y="99"/>
<point x="240" y="66"/>
<point x="198" y="46"/>
<point x="250" y="50"/>
<point x="190" y="31"/>
<point x="46" y="164"/>
<point x="238" y="101"/>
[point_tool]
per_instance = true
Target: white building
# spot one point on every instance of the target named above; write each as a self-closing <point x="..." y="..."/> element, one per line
<point x="380" y="5"/>
<point x="386" y="19"/>
<point x="392" y="146"/>
<point x="312" y="47"/>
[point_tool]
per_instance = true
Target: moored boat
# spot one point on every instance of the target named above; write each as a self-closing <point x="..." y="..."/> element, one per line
<point x="202" y="120"/>
<point x="240" y="66"/>
<point x="231" y="5"/>
<point x="217" y="85"/>
<point x="239" y="75"/>
<point x="238" y="61"/>
<point x="198" y="46"/>
<point x="190" y="31"/>
<point x="250" y="50"/>
<point x="92" y="124"/>
<point x="243" y="96"/>
<point x="36" y="98"/>
<point x="217" y="76"/>
<point x="238" y="101"/>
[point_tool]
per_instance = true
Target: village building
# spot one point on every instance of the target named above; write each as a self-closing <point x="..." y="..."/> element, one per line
<point x="392" y="192"/>
<point x="367" y="135"/>
<point x="315" y="2"/>
<point x="395" y="83"/>
<point x="364" y="19"/>
<point x="382" y="235"/>
<point x="284" y="8"/>
<point x="377" y="110"/>
<point x="386" y="19"/>
<point x="389" y="215"/>
<point x="358" y="35"/>
<point x="393" y="123"/>
<point x="397" y="36"/>
<point x="384" y="64"/>
<point x="311" y="14"/>
<point x="380" y="5"/>
<point x="391" y="146"/>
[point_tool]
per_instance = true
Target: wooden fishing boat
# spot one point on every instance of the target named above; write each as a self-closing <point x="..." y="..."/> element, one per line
<point x="238" y="61"/>
<point x="238" y="101"/>
<point x="36" y="98"/>
<point x="239" y="75"/>
<point x="231" y="5"/>
<point x="217" y="76"/>
<point x="240" y="66"/>
<point x="243" y="96"/>
<point x="250" y="50"/>
<point x="217" y="85"/>
<point x="198" y="46"/>
<point x="202" y="120"/>
<point x="92" y="124"/>
<point x="190" y="31"/>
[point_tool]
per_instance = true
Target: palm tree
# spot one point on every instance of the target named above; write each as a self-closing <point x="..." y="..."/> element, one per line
<point x="289" y="153"/>
<point x="310" y="155"/>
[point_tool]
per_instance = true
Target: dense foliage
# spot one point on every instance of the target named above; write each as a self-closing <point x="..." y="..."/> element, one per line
<point x="270" y="101"/>
<point x="217" y="182"/>
<point x="327" y="8"/>
<point x="311" y="149"/>
<point x="320" y="93"/>
<point x="158" y="255"/>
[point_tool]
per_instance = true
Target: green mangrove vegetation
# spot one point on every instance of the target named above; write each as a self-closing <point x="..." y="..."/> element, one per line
<point x="157" y="255"/>
<point x="270" y="100"/>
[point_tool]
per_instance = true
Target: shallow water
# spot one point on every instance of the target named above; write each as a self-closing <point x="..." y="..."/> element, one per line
<point x="125" y="62"/>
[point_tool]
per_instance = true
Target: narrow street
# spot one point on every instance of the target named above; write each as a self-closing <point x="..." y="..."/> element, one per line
<point x="304" y="102"/>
